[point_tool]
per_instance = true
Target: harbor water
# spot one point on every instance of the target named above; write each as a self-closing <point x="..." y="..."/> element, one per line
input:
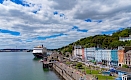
<point x="23" y="66"/>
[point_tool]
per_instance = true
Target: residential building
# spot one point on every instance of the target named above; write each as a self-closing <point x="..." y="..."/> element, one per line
<point x="98" y="55"/>
<point x="126" y="77"/>
<point x="89" y="53"/>
<point x="106" y="57"/>
<point x="77" y="52"/>
<point x="124" y="55"/>
<point x="83" y="55"/>
<point x="114" y="57"/>
<point x="125" y="38"/>
<point x="127" y="58"/>
<point x="120" y="57"/>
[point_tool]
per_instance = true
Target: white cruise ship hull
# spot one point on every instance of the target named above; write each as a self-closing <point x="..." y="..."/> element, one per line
<point x="38" y="55"/>
<point x="39" y="52"/>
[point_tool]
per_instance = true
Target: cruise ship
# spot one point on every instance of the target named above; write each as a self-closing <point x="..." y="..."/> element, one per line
<point x="39" y="52"/>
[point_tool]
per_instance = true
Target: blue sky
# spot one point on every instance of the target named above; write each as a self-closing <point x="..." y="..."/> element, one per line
<point x="15" y="33"/>
<point x="56" y="23"/>
<point x="20" y="2"/>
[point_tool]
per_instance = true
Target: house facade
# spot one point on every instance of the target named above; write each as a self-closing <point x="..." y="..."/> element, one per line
<point x="83" y="55"/>
<point x="89" y="53"/>
<point x="98" y="55"/>
<point x="106" y="57"/>
<point x="114" y="57"/>
<point x="78" y="51"/>
<point x="120" y="57"/>
<point x="125" y="38"/>
<point x="127" y="58"/>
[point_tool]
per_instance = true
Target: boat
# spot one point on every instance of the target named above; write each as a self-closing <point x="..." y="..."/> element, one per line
<point x="39" y="52"/>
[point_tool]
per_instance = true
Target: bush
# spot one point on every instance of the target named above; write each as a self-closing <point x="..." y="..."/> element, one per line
<point x="79" y="65"/>
<point x="125" y="66"/>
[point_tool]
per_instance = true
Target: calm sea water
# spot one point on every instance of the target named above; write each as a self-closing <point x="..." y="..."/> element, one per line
<point x="23" y="66"/>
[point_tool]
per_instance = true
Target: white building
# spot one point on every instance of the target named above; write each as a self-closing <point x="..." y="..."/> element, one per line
<point x="89" y="53"/>
<point x="106" y="56"/>
<point x="98" y="55"/>
<point x="77" y="52"/>
<point x="125" y="38"/>
<point x="103" y="55"/>
<point x="126" y="77"/>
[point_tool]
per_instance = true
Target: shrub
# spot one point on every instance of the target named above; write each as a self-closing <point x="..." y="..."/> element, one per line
<point x="79" y="65"/>
<point x="125" y="66"/>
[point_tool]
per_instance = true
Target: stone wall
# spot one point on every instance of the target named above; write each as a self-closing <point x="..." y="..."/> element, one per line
<point x="62" y="72"/>
<point x="68" y="73"/>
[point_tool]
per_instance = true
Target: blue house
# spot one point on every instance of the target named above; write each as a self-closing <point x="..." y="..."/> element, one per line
<point x="120" y="74"/>
<point x="114" y="57"/>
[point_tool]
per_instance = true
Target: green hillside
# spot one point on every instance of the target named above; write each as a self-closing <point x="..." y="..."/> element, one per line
<point x="102" y="41"/>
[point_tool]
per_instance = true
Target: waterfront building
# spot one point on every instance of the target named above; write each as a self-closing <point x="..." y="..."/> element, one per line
<point x="120" y="57"/>
<point x="89" y="53"/>
<point x="77" y="52"/>
<point x="125" y="38"/>
<point x="83" y="55"/>
<point x="126" y="77"/>
<point x="127" y="58"/>
<point x="106" y="57"/>
<point x="55" y="56"/>
<point x="98" y="55"/>
<point x="114" y="57"/>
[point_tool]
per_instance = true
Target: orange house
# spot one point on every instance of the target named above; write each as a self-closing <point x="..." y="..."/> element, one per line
<point x="83" y="55"/>
<point x="120" y="57"/>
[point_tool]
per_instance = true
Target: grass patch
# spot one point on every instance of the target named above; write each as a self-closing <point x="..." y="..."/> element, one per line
<point x="89" y="71"/>
<point x="102" y="77"/>
<point x="68" y="63"/>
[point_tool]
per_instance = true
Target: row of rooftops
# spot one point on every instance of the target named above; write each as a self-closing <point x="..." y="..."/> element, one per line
<point x="125" y="48"/>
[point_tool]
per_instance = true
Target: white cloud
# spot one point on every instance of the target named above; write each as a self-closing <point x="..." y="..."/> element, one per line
<point x="15" y="17"/>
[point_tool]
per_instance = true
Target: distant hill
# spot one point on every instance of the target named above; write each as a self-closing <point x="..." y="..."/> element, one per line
<point x="102" y="41"/>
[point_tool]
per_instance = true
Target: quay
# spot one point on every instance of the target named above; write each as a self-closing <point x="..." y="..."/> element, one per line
<point x="66" y="72"/>
<point x="55" y="61"/>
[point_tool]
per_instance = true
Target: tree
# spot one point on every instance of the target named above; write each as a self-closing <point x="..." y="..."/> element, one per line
<point x="124" y="33"/>
<point x="115" y="44"/>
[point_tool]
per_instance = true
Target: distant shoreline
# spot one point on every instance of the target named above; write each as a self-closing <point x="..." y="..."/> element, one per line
<point x="15" y="51"/>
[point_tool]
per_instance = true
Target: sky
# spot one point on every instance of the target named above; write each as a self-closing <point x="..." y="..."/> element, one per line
<point x="57" y="23"/>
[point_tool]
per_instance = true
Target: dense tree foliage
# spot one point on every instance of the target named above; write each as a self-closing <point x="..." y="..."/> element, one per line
<point x="101" y="41"/>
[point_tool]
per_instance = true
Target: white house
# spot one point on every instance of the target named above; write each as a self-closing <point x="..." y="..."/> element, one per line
<point x="125" y="38"/>
<point x="77" y="52"/>
<point x="98" y="55"/>
<point x="89" y="53"/>
<point x="106" y="56"/>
